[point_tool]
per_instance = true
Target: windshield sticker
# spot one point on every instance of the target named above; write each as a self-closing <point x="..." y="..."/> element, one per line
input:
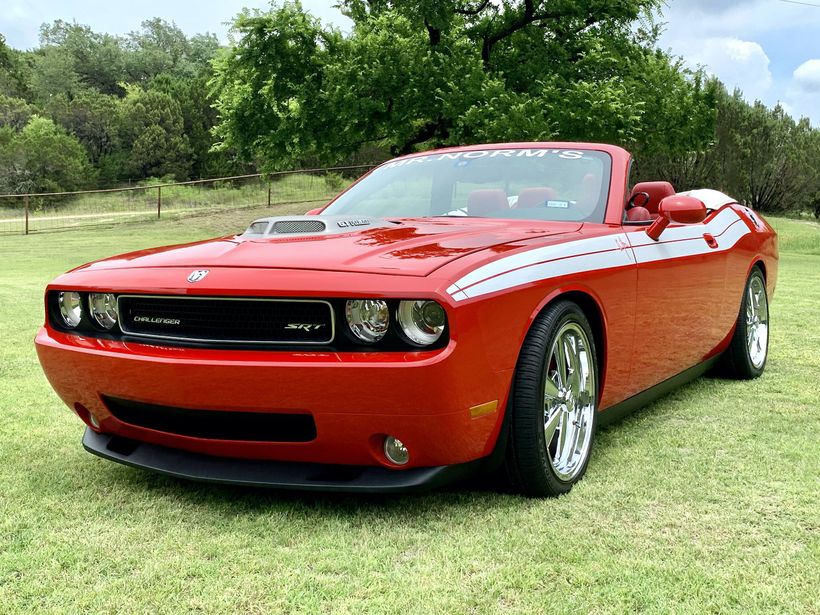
<point x="463" y="157"/>
<point x="559" y="204"/>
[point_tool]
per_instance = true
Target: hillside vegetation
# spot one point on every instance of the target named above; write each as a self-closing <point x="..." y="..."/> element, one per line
<point x="88" y="109"/>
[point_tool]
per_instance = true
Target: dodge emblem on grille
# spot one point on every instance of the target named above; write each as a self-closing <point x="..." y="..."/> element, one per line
<point x="197" y="275"/>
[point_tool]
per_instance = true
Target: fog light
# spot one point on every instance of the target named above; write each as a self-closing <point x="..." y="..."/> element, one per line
<point x="395" y="451"/>
<point x="93" y="420"/>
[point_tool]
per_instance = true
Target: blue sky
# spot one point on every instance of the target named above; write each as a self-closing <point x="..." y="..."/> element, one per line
<point x="768" y="48"/>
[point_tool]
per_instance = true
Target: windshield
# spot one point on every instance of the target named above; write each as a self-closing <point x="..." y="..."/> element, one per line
<point x="530" y="184"/>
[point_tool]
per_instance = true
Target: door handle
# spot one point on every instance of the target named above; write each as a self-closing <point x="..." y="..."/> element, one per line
<point x="710" y="240"/>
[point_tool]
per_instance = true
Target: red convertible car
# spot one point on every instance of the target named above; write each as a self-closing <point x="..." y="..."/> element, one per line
<point x="474" y="308"/>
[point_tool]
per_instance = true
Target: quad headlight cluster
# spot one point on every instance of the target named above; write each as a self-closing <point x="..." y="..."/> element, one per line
<point x="102" y="307"/>
<point x="421" y="322"/>
<point x="387" y="324"/>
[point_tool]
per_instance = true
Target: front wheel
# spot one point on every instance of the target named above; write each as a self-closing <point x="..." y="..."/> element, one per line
<point x="747" y="353"/>
<point x="554" y="403"/>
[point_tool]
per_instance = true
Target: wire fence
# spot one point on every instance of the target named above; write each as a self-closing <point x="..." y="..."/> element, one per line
<point x="43" y="212"/>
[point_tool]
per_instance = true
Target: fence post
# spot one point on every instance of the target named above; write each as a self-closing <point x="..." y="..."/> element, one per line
<point x="25" y="199"/>
<point x="159" y="201"/>
<point x="268" y="194"/>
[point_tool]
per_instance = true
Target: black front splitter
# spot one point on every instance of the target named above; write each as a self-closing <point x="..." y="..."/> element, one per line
<point x="271" y="474"/>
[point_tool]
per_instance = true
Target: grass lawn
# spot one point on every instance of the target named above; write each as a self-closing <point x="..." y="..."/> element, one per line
<point x="706" y="501"/>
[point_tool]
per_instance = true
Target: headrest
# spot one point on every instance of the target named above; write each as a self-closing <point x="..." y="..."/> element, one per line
<point x="657" y="191"/>
<point x="636" y="214"/>
<point x="535" y="197"/>
<point x="484" y="202"/>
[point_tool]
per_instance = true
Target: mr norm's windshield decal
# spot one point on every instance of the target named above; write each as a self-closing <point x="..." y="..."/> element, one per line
<point x="489" y="153"/>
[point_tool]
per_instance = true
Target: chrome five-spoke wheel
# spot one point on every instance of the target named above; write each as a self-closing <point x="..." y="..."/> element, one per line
<point x="569" y="401"/>
<point x="747" y="352"/>
<point x="757" y="321"/>
<point x="554" y="403"/>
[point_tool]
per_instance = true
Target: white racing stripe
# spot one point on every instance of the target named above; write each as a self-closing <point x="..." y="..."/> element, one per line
<point x="598" y="253"/>
<point x="531" y="257"/>
<point x="647" y="253"/>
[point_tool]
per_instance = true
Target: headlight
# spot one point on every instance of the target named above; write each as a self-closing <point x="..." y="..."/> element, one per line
<point x="422" y="321"/>
<point x="71" y="308"/>
<point x="103" y="309"/>
<point x="368" y="319"/>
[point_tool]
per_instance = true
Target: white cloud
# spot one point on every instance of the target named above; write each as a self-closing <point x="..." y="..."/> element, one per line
<point x="737" y="63"/>
<point x="744" y="19"/>
<point x="807" y="76"/>
<point x="754" y="45"/>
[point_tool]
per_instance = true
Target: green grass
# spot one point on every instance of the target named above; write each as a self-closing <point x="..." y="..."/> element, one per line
<point x="706" y="501"/>
<point x="797" y="236"/>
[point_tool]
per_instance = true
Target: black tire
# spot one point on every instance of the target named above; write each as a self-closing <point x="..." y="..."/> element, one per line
<point x="737" y="362"/>
<point x="528" y="462"/>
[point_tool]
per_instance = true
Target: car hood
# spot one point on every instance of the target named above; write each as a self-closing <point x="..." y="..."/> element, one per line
<point x="414" y="247"/>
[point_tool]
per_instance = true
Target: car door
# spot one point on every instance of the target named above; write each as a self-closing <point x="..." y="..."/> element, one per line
<point x="679" y="303"/>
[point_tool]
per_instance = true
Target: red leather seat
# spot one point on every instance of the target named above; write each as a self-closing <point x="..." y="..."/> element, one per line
<point x="638" y="214"/>
<point x="485" y="202"/>
<point x="535" y="197"/>
<point x="657" y="191"/>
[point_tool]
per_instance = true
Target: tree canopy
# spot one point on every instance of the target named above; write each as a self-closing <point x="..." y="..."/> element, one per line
<point x="437" y="73"/>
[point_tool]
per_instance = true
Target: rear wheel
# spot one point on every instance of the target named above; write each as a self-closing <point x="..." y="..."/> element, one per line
<point x="749" y="349"/>
<point x="554" y="403"/>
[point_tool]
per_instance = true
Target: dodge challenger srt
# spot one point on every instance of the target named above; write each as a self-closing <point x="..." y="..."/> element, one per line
<point x="478" y="308"/>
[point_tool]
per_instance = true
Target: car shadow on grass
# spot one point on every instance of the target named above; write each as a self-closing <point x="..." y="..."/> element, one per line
<point x="480" y="489"/>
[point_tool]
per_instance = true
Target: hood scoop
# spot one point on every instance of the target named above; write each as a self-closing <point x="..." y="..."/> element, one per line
<point x="279" y="226"/>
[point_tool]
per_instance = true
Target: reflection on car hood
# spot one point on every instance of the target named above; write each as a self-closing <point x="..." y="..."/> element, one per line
<point x="414" y="247"/>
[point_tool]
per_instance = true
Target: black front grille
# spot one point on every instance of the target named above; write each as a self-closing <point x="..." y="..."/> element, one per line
<point x="215" y="424"/>
<point x="227" y="320"/>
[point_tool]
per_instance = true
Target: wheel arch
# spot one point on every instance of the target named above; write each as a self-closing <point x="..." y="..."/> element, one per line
<point x="591" y="307"/>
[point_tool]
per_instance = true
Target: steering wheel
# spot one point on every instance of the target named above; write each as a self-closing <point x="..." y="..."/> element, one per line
<point x="632" y="202"/>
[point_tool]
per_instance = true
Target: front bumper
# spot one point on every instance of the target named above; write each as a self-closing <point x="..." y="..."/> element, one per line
<point x="426" y="399"/>
<point x="271" y="474"/>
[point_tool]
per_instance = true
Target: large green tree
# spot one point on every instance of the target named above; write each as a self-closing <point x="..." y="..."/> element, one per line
<point x="434" y="73"/>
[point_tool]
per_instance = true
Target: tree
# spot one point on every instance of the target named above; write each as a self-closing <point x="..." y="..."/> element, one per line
<point x="42" y="158"/>
<point x="91" y="117"/>
<point x="97" y="59"/>
<point x="198" y="117"/>
<point x="53" y="74"/>
<point x="151" y="126"/>
<point x="5" y="54"/>
<point x="761" y="155"/>
<point x="14" y="112"/>
<point x="420" y="73"/>
<point x="162" y="48"/>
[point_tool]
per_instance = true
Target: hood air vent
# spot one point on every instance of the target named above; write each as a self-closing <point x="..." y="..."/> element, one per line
<point x="298" y="226"/>
<point x="311" y="225"/>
